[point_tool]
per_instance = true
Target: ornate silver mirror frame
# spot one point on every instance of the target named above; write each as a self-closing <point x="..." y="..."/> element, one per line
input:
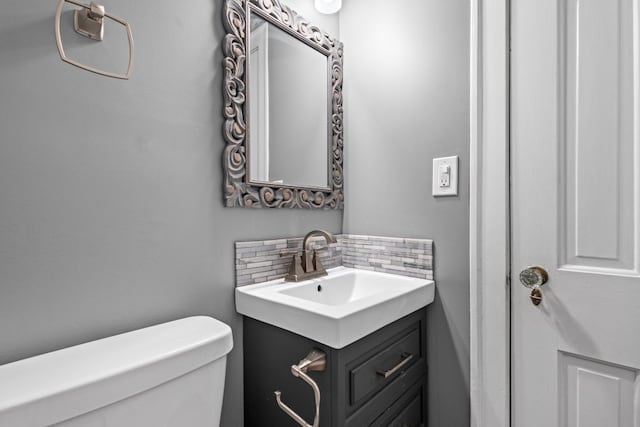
<point x="239" y="192"/>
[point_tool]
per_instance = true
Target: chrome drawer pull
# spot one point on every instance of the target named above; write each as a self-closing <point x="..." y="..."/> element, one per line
<point x="406" y="358"/>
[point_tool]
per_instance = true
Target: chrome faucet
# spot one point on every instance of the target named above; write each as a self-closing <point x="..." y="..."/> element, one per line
<point x="308" y="265"/>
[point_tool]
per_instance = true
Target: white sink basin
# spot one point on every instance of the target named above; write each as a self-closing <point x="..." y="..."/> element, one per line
<point x="337" y="309"/>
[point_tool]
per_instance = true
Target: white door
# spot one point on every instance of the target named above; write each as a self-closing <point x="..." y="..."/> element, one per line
<point x="575" y="148"/>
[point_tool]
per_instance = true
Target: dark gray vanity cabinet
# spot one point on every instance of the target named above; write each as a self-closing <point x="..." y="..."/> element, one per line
<point x="359" y="387"/>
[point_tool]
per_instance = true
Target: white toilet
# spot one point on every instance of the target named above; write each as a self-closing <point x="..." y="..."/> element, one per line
<point x="165" y="375"/>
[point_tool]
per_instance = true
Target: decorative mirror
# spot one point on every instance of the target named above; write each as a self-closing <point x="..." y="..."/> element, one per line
<point x="282" y="109"/>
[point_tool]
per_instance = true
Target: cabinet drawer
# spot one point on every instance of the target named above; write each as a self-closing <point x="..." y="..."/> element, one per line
<point x="383" y="367"/>
<point x="405" y="412"/>
<point x="411" y="415"/>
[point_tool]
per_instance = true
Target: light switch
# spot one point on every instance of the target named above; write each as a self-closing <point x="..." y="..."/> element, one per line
<point x="445" y="176"/>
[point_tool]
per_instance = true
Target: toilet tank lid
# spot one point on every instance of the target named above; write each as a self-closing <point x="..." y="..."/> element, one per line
<point x="78" y="379"/>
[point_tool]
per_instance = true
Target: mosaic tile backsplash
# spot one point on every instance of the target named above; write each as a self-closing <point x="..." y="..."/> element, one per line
<point x="264" y="260"/>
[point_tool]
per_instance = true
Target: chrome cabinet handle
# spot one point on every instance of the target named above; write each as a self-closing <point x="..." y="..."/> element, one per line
<point x="406" y="358"/>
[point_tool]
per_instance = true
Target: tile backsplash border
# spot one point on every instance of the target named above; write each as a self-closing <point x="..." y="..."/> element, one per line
<point x="263" y="260"/>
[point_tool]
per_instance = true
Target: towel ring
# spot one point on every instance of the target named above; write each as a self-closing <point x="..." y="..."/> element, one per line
<point x="88" y="67"/>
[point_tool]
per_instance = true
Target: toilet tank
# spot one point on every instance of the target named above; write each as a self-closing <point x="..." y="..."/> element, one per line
<point x="165" y="375"/>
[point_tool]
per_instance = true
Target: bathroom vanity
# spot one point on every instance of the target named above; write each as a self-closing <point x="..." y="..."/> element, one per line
<point x="347" y="348"/>
<point x="378" y="380"/>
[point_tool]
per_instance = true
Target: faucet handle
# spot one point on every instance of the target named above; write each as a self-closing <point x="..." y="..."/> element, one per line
<point x="296" y="272"/>
<point x="317" y="264"/>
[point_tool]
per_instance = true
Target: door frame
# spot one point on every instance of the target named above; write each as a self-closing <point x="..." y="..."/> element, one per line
<point x="489" y="225"/>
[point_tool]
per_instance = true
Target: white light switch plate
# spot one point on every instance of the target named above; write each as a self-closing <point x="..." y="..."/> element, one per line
<point x="445" y="176"/>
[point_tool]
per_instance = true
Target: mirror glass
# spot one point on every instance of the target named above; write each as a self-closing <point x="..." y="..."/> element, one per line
<point x="288" y="97"/>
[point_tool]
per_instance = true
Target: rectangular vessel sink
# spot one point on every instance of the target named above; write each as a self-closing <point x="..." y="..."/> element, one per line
<point x="337" y="309"/>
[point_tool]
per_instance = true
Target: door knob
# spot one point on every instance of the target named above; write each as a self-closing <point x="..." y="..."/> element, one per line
<point x="533" y="277"/>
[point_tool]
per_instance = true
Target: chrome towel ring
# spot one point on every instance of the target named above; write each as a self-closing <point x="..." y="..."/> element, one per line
<point x="88" y="22"/>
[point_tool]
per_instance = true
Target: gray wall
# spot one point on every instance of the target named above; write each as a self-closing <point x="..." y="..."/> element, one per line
<point x="111" y="210"/>
<point x="406" y="101"/>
